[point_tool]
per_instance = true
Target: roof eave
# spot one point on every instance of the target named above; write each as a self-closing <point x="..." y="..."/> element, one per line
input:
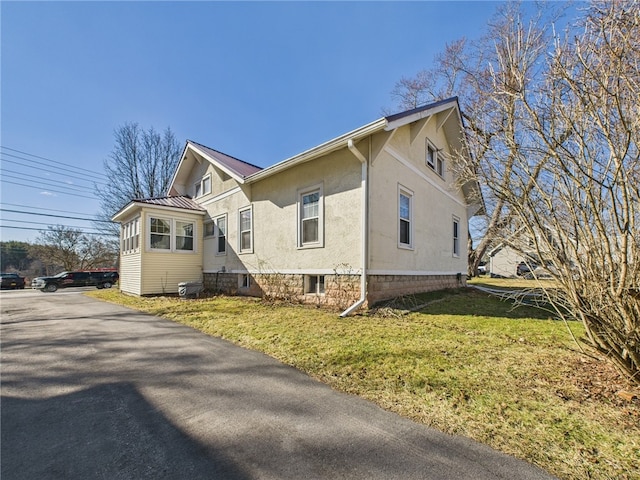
<point x="320" y="150"/>
<point x="238" y="178"/>
<point x="132" y="206"/>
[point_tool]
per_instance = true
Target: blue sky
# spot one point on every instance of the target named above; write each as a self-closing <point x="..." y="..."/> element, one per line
<point x="261" y="81"/>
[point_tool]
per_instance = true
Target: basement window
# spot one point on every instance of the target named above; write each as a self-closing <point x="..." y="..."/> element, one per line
<point x="314" y="284"/>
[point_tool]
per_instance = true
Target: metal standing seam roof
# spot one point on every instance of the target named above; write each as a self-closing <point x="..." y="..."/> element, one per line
<point x="182" y="201"/>
<point x="241" y="168"/>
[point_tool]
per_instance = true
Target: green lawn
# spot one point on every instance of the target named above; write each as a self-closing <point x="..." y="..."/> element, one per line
<point x="466" y="363"/>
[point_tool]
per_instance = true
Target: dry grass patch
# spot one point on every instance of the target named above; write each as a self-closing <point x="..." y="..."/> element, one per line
<point x="466" y="364"/>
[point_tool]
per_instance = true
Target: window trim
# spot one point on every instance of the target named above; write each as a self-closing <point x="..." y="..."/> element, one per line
<point x="244" y="281"/>
<point x="403" y="191"/>
<point x="151" y="217"/>
<point x="456" y="237"/>
<point x="320" y="289"/>
<point x="172" y="235"/>
<point x="130" y="236"/>
<point x="301" y="193"/>
<point x="437" y="165"/>
<point x="199" y="190"/>
<point x="192" y="236"/>
<point x="216" y="234"/>
<point x="240" y="231"/>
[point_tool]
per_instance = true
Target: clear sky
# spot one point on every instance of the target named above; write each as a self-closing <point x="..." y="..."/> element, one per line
<point x="261" y="81"/>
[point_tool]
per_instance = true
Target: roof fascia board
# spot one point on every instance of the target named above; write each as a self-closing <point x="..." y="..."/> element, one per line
<point x="178" y="168"/>
<point x="219" y="165"/>
<point x="320" y="150"/>
<point x="453" y="103"/>
<point x="124" y="212"/>
<point x="129" y="209"/>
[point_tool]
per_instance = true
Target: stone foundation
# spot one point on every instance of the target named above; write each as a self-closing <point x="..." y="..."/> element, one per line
<point x="340" y="291"/>
<point x="386" y="287"/>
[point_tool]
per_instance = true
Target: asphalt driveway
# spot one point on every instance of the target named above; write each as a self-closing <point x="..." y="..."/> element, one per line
<point x="96" y="391"/>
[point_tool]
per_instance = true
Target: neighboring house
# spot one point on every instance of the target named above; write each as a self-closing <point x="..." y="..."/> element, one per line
<point x="370" y="215"/>
<point x="518" y="254"/>
<point x="504" y="261"/>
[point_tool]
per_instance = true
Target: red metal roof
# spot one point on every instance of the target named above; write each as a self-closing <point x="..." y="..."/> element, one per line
<point x="181" y="201"/>
<point x="239" y="167"/>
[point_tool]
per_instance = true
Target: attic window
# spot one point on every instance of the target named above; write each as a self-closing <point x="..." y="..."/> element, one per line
<point x="203" y="187"/>
<point x="435" y="159"/>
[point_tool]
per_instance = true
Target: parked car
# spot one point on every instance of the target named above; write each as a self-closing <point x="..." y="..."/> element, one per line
<point x="99" y="279"/>
<point x="523" y="269"/>
<point x="11" y="280"/>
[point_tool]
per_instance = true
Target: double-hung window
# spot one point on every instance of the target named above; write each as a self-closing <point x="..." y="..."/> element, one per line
<point x="184" y="236"/>
<point x="310" y="217"/>
<point x="171" y="234"/>
<point x="160" y="229"/>
<point x="405" y="223"/>
<point x="220" y="233"/>
<point x="246" y="229"/>
<point x="456" y="237"/>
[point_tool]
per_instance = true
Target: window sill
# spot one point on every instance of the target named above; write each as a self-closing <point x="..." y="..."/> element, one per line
<point x="310" y="246"/>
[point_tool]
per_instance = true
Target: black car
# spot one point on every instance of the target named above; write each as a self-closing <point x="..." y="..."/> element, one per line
<point x="11" y="280"/>
<point x="99" y="279"/>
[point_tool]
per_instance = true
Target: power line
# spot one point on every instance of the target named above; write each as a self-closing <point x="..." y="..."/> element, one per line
<point x="26" y="177"/>
<point x="50" y="160"/>
<point x="80" y="171"/>
<point x="51" y="189"/>
<point x="41" y="208"/>
<point x="84" y="179"/>
<point x="47" y="230"/>
<point x="55" y="216"/>
<point x="78" y="227"/>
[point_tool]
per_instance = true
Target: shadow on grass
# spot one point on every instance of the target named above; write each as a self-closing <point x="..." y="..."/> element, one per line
<point x="465" y="301"/>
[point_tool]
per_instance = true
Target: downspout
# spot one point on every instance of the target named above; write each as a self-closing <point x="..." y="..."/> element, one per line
<point x="365" y="228"/>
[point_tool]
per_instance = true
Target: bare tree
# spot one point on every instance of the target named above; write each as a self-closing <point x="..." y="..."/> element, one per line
<point x="141" y="165"/>
<point x="484" y="74"/>
<point x="583" y="210"/>
<point x="554" y="128"/>
<point x="65" y="248"/>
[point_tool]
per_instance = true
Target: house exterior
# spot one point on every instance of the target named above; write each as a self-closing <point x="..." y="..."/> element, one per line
<point x="504" y="261"/>
<point x="372" y="214"/>
<point x="524" y="251"/>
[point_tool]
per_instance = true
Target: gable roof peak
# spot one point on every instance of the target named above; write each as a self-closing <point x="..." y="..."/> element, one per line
<point x="238" y="167"/>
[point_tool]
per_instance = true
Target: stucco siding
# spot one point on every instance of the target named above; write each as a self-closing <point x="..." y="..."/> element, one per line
<point x="435" y="203"/>
<point x="274" y="201"/>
